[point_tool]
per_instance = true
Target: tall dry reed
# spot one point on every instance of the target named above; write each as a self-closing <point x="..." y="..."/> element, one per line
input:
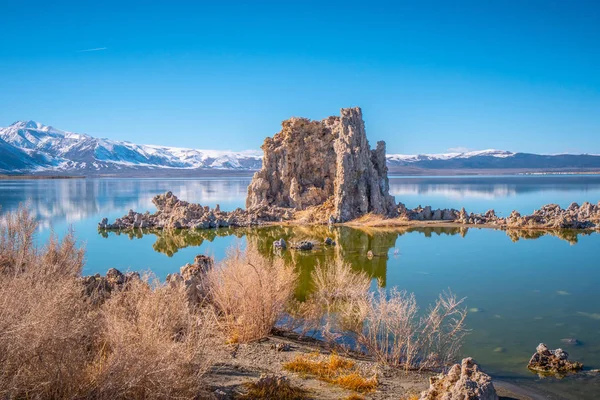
<point x="55" y="343"/>
<point x="151" y="346"/>
<point x="250" y="293"/>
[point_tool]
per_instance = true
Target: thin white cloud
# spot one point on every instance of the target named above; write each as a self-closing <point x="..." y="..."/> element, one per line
<point x="94" y="49"/>
<point x="459" y="149"/>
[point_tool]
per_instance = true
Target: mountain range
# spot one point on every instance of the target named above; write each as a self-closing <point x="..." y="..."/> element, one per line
<point x="28" y="147"/>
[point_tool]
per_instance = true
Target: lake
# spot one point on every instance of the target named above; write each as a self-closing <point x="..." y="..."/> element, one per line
<point x="521" y="288"/>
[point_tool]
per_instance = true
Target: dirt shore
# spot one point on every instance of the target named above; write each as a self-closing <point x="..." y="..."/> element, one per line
<point x="240" y="364"/>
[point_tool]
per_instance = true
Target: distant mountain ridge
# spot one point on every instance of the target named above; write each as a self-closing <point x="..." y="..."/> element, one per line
<point x="28" y="147"/>
<point x="495" y="160"/>
<point x="31" y="147"/>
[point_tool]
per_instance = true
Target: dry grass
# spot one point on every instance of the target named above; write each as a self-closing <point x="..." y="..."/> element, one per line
<point x="354" y="396"/>
<point x="385" y="324"/>
<point x="152" y="346"/>
<point x="390" y="327"/>
<point x="44" y="318"/>
<point x="250" y="294"/>
<point x="56" y="343"/>
<point x="274" y="388"/>
<point x="333" y="369"/>
<point x="335" y="287"/>
<point x="336" y="284"/>
<point x="411" y="397"/>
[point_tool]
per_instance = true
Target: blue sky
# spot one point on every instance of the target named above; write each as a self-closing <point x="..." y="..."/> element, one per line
<point x="429" y="75"/>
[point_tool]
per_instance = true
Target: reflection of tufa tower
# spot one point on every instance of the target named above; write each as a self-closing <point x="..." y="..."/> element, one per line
<point x="329" y="163"/>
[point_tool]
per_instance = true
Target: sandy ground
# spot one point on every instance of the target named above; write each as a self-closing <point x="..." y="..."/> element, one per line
<point x="244" y="363"/>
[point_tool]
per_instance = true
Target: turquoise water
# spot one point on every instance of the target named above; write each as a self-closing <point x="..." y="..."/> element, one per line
<point x="521" y="291"/>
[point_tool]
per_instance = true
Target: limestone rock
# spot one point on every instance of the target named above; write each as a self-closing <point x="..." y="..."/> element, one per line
<point x="311" y="163"/>
<point x="193" y="277"/>
<point x="98" y="288"/>
<point x="463" y="382"/>
<point x="280" y="244"/>
<point x="552" y="362"/>
<point x="304" y="245"/>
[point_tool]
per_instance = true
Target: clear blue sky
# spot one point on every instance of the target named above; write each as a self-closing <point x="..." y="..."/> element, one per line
<point x="429" y="75"/>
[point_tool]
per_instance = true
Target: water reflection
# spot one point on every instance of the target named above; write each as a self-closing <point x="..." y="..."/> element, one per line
<point x="71" y="200"/>
<point x="353" y="244"/>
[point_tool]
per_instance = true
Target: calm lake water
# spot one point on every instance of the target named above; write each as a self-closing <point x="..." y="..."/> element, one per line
<point x="521" y="290"/>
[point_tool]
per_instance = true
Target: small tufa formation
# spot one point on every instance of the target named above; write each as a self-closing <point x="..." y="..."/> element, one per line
<point x="281" y="347"/>
<point x="303" y="245"/>
<point x="550" y="216"/>
<point x="173" y="213"/>
<point x="323" y="163"/>
<point x="193" y="277"/>
<point x="463" y="382"/>
<point x="99" y="288"/>
<point x="553" y="362"/>
<point x="280" y="244"/>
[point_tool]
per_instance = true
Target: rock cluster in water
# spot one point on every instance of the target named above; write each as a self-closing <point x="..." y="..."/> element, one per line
<point x="173" y="213"/>
<point x="548" y="361"/>
<point x="326" y="172"/>
<point x="463" y="382"/>
<point x="551" y="216"/>
<point x="329" y="162"/>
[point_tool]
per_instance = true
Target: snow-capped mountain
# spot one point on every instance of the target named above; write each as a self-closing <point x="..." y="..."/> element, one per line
<point x="28" y="146"/>
<point x="33" y="148"/>
<point x="403" y="158"/>
<point x="493" y="160"/>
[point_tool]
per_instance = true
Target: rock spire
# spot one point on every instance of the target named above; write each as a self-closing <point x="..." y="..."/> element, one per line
<point x="329" y="162"/>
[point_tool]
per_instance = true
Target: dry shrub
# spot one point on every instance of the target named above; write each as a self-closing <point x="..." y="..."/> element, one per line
<point x="336" y="284"/>
<point x="354" y="396"/>
<point x="45" y="322"/>
<point x="390" y="327"/>
<point x="55" y="343"/>
<point x="274" y="388"/>
<point x="250" y="293"/>
<point x="334" y="287"/>
<point x="152" y="345"/>
<point x="387" y="325"/>
<point x="333" y="369"/>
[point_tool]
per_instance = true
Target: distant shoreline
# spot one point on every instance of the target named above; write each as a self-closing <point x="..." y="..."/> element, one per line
<point x="37" y="177"/>
<point x="393" y="173"/>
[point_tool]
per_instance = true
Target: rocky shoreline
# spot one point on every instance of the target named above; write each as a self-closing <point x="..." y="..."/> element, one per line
<point x="173" y="213"/>
<point x="325" y="172"/>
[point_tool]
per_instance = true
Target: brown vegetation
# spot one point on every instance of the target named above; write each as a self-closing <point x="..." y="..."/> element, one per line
<point x="144" y="342"/>
<point x="273" y="388"/>
<point x="333" y="369"/>
<point x="385" y="324"/>
<point x="250" y="294"/>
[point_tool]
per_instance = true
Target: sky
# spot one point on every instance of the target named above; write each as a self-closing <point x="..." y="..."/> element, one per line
<point x="430" y="76"/>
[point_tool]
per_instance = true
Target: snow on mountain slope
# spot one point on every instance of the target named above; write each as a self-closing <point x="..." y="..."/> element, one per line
<point x="31" y="147"/>
<point x="50" y="149"/>
<point x="448" y="156"/>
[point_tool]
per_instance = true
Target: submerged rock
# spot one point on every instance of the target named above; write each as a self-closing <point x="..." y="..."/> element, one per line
<point x="323" y="163"/>
<point x="571" y="341"/>
<point x="552" y="361"/>
<point x="304" y="245"/>
<point x="463" y="382"/>
<point x="280" y="244"/>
